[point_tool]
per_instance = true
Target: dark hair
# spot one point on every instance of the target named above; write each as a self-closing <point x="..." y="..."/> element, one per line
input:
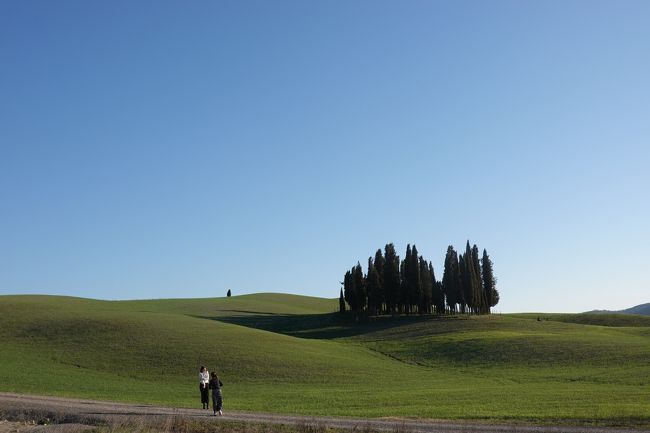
<point x="214" y="375"/>
<point x="201" y="369"/>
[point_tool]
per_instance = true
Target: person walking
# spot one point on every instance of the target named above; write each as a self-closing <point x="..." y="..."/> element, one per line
<point x="204" y="381"/>
<point x="217" y="399"/>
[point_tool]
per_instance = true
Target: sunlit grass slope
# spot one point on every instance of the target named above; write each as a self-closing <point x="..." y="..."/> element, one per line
<point x="260" y="303"/>
<point x="292" y="354"/>
<point x="602" y="319"/>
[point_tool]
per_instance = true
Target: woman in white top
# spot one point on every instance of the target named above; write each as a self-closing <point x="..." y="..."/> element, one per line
<point x="204" y="379"/>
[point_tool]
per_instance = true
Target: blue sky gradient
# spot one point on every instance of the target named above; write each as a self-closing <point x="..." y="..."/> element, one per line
<point x="174" y="149"/>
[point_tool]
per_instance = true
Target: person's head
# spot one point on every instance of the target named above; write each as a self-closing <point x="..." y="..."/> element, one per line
<point x="202" y="369"/>
<point x="214" y="375"/>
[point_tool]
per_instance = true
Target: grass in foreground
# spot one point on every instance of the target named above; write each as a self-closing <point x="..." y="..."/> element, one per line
<point x="279" y="353"/>
<point x="172" y="424"/>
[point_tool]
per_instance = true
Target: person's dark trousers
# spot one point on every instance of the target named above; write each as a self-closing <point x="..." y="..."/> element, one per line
<point x="205" y="395"/>
<point x="217" y="400"/>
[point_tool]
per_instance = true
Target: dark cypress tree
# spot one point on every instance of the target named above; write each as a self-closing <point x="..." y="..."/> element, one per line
<point x="440" y="308"/>
<point x="451" y="279"/>
<point x="489" y="282"/>
<point x="379" y="266"/>
<point x="437" y="295"/>
<point x="360" y="290"/>
<point x="472" y="287"/>
<point x="479" y="294"/>
<point x="341" y="303"/>
<point x="373" y="288"/>
<point x="229" y="294"/>
<point x="405" y="273"/>
<point x="402" y="287"/>
<point x="415" y="282"/>
<point x="465" y="282"/>
<point x="366" y="284"/>
<point x="347" y="289"/>
<point x="447" y="280"/>
<point x="426" y="287"/>
<point x="391" y="278"/>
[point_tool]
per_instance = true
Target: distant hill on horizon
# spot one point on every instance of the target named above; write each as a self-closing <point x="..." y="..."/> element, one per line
<point x="642" y="309"/>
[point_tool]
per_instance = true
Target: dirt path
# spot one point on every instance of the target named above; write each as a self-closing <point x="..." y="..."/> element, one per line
<point x="112" y="411"/>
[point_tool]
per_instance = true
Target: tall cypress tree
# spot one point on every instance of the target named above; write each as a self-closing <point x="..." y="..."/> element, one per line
<point x="404" y="286"/>
<point x="465" y="282"/>
<point x="451" y="279"/>
<point x="379" y="266"/>
<point x="347" y="289"/>
<point x="341" y="302"/>
<point x="426" y="289"/>
<point x="479" y="294"/>
<point x="437" y="295"/>
<point x="489" y="282"/>
<point x="391" y="278"/>
<point x="354" y="294"/>
<point x="372" y="287"/>
<point x="471" y="278"/>
<point x="359" y="287"/>
<point x="415" y="283"/>
<point x="474" y="280"/>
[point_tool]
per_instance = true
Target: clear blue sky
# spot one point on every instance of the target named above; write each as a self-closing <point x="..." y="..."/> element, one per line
<point x="176" y="149"/>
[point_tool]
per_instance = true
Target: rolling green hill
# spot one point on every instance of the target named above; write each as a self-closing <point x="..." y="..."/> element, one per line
<point x="294" y="354"/>
<point x="641" y="309"/>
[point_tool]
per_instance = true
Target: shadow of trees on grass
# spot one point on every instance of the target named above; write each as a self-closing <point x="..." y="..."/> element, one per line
<point x="316" y="326"/>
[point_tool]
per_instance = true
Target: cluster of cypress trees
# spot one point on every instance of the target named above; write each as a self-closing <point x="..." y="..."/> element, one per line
<point x="391" y="286"/>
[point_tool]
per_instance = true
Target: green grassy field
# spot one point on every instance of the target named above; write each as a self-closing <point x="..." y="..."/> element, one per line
<point x="293" y="354"/>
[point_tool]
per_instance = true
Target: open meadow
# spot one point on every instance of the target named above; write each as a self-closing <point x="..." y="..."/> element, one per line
<point x="295" y="355"/>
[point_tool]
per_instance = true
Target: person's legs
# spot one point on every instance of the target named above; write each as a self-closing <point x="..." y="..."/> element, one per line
<point x="219" y="403"/>
<point x="205" y="396"/>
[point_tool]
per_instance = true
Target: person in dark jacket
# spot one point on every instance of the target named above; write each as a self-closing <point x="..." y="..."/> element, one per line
<point x="217" y="399"/>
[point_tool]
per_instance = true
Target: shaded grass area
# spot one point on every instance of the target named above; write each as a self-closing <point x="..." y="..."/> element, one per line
<point x="325" y="326"/>
<point x="296" y="356"/>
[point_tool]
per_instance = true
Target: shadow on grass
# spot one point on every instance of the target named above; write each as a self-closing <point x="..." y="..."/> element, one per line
<point x="319" y="326"/>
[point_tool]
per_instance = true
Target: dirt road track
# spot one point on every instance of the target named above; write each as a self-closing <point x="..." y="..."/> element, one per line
<point x="112" y="411"/>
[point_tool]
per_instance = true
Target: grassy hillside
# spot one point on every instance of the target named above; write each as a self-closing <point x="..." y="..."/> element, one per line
<point x="292" y="354"/>
<point x="641" y="309"/>
<point x="592" y="318"/>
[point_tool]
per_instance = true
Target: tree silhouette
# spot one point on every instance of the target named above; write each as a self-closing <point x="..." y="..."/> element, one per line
<point x="372" y="288"/>
<point x="391" y="278"/>
<point x="451" y="279"/>
<point x="360" y="295"/>
<point x="426" y="287"/>
<point x="489" y="282"/>
<point x="477" y="284"/>
<point x="347" y="288"/>
<point x="437" y="295"/>
<point x="379" y="266"/>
